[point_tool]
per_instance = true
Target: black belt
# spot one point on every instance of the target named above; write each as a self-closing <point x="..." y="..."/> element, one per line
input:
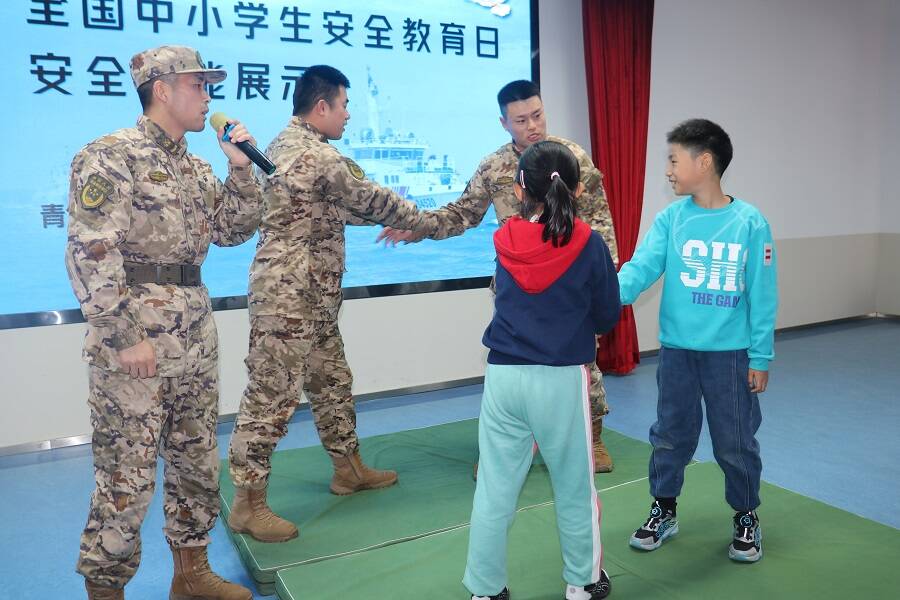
<point x="138" y="273"/>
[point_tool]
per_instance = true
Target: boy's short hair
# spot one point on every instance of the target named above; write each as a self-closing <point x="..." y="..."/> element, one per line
<point x="702" y="135"/>
<point x="521" y="89"/>
<point x="319" y="82"/>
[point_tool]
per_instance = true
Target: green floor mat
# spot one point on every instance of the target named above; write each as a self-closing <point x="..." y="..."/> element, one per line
<point x="811" y="550"/>
<point x="434" y="493"/>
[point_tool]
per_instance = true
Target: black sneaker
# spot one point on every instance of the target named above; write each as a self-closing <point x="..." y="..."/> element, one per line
<point x="660" y="526"/>
<point x="503" y="595"/>
<point x="747" y="543"/>
<point x="594" y="591"/>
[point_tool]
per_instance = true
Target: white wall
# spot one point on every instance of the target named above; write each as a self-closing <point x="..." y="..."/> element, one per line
<point x="890" y="145"/>
<point x="888" y="294"/>
<point x="800" y="86"/>
<point x="809" y="92"/>
<point x="563" y="78"/>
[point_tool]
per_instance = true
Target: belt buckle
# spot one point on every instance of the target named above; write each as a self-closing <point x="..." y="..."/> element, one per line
<point x="168" y="275"/>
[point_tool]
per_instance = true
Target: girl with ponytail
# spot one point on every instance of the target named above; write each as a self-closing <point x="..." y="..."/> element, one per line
<point x="550" y="194"/>
<point x="556" y="291"/>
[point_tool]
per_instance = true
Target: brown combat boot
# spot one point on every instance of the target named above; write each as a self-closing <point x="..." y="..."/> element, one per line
<point x="99" y="592"/>
<point x="194" y="580"/>
<point x="602" y="460"/>
<point x="251" y="515"/>
<point x="351" y="475"/>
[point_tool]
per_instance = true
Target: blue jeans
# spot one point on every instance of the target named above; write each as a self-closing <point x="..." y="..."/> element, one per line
<point x="732" y="412"/>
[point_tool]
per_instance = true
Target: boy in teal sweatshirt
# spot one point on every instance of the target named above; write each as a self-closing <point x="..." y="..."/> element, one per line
<point x="717" y="324"/>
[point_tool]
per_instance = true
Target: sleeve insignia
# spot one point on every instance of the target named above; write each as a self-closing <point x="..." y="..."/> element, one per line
<point x="355" y="170"/>
<point x="95" y="191"/>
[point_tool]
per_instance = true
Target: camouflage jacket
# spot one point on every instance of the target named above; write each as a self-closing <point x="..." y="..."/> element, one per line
<point x="313" y="194"/>
<point x="492" y="183"/>
<point x="136" y="195"/>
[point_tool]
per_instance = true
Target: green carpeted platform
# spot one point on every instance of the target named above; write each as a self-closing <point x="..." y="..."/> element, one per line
<point x="811" y="551"/>
<point x="434" y="494"/>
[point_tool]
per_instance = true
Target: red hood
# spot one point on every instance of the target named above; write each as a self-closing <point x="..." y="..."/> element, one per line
<point x="533" y="263"/>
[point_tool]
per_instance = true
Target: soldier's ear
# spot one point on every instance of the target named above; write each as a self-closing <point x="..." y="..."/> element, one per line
<point x="161" y="90"/>
<point x="517" y="190"/>
<point x="579" y="189"/>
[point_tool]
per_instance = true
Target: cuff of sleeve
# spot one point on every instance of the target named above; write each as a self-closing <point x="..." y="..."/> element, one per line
<point x="127" y="337"/>
<point x="240" y="172"/>
<point x="759" y="364"/>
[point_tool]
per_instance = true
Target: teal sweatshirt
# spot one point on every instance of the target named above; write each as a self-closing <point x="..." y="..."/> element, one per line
<point x="720" y="290"/>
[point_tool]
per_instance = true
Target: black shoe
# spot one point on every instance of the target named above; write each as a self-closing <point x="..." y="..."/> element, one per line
<point x="747" y="543"/>
<point x="594" y="591"/>
<point x="503" y="595"/>
<point x="660" y="526"/>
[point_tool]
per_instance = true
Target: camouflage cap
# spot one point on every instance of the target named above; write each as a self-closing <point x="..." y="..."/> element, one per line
<point x="170" y="59"/>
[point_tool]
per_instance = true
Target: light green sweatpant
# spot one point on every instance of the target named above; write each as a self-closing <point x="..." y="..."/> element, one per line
<point x="524" y="404"/>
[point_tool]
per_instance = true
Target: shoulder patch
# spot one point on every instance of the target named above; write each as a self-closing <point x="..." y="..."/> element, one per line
<point x="355" y="170"/>
<point x="95" y="191"/>
<point x="158" y="176"/>
<point x="505" y="180"/>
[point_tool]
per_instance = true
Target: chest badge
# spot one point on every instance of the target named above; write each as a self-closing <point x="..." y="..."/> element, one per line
<point x="158" y="176"/>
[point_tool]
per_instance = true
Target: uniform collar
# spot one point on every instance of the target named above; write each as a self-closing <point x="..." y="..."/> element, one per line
<point x="161" y="138"/>
<point x="518" y="153"/>
<point x="299" y="123"/>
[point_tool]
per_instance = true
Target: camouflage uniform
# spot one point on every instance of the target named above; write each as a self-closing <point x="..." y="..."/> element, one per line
<point x="295" y="295"/>
<point x="137" y="195"/>
<point x="492" y="183"/>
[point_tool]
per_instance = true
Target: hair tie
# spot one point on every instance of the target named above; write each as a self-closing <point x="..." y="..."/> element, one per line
<point x="554" y="175"/>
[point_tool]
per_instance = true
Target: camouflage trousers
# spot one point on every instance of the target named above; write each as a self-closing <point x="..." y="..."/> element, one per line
<point x="287" y="356"/>
<point x="134" y="421"/>
<point x="597" y="394"/>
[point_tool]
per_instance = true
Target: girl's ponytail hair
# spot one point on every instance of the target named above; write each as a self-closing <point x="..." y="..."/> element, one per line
<point x="549" y="174"/>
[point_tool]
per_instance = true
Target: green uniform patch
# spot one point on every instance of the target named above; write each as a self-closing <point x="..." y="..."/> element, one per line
<point x="355" y="170"/>
<point x="159" y="176"/>
<point x="95" y="191"/>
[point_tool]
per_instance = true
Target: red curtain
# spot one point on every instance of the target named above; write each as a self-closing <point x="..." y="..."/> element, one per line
<point x="617" y="35"/>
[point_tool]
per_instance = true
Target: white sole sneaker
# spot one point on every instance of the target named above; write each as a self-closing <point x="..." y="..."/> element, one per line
<point x="647" y="544"/>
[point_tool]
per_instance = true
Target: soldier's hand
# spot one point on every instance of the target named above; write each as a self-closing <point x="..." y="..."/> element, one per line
<point x="237" y="134"/>
<point x="758" y="380"/>
<point x="393" y="236"/>
<point x="140" y="360"/>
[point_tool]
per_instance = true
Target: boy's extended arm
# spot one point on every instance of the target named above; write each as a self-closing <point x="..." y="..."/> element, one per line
<point x="648" y="262"/>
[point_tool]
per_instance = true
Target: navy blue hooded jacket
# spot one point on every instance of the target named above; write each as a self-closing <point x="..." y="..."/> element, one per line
<point x="551" y="302"/>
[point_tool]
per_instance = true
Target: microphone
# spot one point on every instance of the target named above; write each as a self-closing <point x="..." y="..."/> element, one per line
<point x="219" y="120"/>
